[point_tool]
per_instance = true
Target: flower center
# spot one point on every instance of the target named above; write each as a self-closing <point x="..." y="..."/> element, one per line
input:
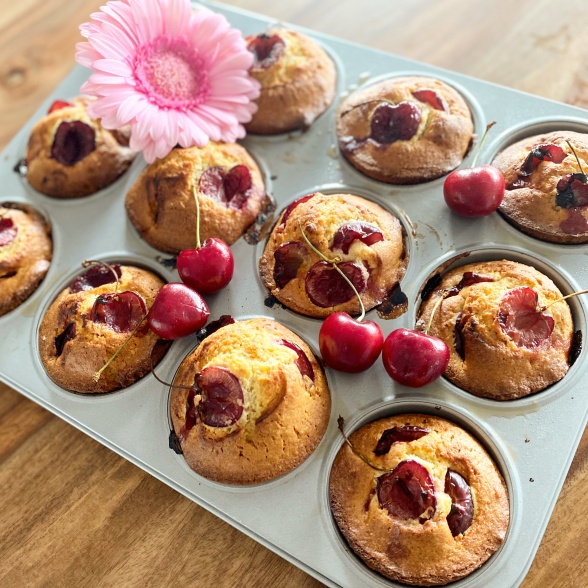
<point x="171" y="73"/>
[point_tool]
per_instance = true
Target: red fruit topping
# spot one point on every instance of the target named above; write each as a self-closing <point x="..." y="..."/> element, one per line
<point x="572" y="191"/>
<point x="407" y="492"/>
<point x="461" y="515"/>
<point x="222" y="399"/>
<point x="66" y="335"/>
<point x="403" y="434"/>
<point x="8" y="231"/>
<point x="266" y="50"/>
<point x="228" y="187"/>
<point x="521" y="320"/>
<point x="73" y="141"/>
<point x="177" y="311"/>
<point x="326" y="287"/>
<point x="395" y="122"/>
<point x="431" y="98"/>
<point x="120" y="311"/>
<point x="346" y="234"/>
<point x="468" y="279"/>
<point x="191" y="413"/>
<point x="292" y="206"/>
<point x="302" y="362"/>
<point x="96" y="276"/>
<point x="288" y="259"/>
<point x="58" y="105"/>
<point x="538" y="154"/>
<point x="458" y="341"/>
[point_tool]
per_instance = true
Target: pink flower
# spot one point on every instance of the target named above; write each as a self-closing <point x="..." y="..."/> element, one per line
<point x="175" y="76"/>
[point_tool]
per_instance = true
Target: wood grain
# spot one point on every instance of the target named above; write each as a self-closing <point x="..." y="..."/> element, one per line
<point x="73" y="513"/>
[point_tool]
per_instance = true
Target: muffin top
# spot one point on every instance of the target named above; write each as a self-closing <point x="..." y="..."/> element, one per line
<point x="250" y="403"/>
<point x="298" y="81"/>
<point x="223" y="176"/>
<point x="405" y="130"/>
<point x="365" y="240"/>
<point x="546" y="192"/>
<point x="70" y="154"/>
<point x="26" y="250"/>
<point x="418" y="499"/>
<point x="506" y="338"/>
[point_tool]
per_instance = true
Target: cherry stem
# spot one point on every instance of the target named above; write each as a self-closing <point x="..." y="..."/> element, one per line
<point x="117" y="352"/>
<point x="437" y="304"/>
<point x="576" y="156"/>
<point x="488" y="127"/>
<point x="90" y="262"/>
<point x="340" y="424"/>
<point x="546" y="306"/>
<point x="334" y="263"/>
<point x="163" y="381"/>
<point x="198" y="244"/>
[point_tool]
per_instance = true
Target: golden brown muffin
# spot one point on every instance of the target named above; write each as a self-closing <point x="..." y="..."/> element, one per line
<point x="546" y="192"/>
<point x="298" y="81"/>
<point x="503" y="342"/>
<point x="26" y="248"/>
<point x="91" y="320"/>
<point x="433" y="513"/>
<point x="367" y="241"/>
<point x="257" y="406"/>
<point x="70" y="154"/>
<point x="229" y="187"/>
<point x="405" y="130"/>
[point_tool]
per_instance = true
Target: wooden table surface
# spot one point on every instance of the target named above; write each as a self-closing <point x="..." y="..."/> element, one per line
<point x="72" y="512"/>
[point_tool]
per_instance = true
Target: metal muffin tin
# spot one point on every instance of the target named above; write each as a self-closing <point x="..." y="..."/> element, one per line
<point x="532" y="439"/>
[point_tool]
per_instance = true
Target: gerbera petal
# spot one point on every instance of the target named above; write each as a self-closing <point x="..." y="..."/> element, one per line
<point x="113" y="66"/>
<point x="130" y="108"/>
<point x="106" y="46"/>
<point x="178" y="13"/>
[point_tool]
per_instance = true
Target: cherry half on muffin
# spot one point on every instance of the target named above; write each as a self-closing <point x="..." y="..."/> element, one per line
<point x="227" y="182"/>
<point x="366" y="240"/>
<point x="404" y="130"/>
<point x="93" y="338"/>
<point x="508" y="328"/>
<point x="71" y="155"/>
<point x="412" y="484"/>
<point x="26" y="249"/>
<point x="298" y="81"/>
<point x="546" y="191"/>
<point x="250" y="403"/>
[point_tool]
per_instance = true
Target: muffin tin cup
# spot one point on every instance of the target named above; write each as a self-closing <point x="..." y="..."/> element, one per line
<point x="533" y="440"/>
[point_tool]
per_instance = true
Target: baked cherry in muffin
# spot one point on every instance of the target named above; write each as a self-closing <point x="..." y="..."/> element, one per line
<point x="93" y="319"/>
<point x="298" y="81"/>
<point x="250" y="403"/>
<point x="546" y="192"/>
<point x="405" y="130"/>
<point x="435" y="509"/>
<point x="70" y="154"/>
<point x="227" y="181"/>
<point x="506" y="339"/>
<point x="26" y="249"/>
<point x="365" y="239"/>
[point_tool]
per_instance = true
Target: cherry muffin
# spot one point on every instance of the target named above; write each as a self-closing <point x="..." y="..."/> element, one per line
<point x="508" y="332"/>
<point x="418" y="499"/>
<point x="223" y="176"/>
<point x="298" y="81"/>
<point x="405" y="130"/>
<point x="546" y="192"/>
<point x="366" y="241"/>
<point x="98" y="317"/>
<point x="70" y="154"/>
<point x="250" y="403"/>
<point x="26" y="248"/>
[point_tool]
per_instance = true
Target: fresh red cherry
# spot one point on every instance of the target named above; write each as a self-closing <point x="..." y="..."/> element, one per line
<point x="177" y="311"/>
<point x="207" y="269"/>
<point x="349" y="345"/>
<point x="413" y="358"/>
<point x="477" y="191"/>
<point x="58" y="105"/>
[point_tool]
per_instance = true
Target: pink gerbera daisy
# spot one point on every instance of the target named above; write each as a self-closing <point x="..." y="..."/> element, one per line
<point x="177" y="77"/>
